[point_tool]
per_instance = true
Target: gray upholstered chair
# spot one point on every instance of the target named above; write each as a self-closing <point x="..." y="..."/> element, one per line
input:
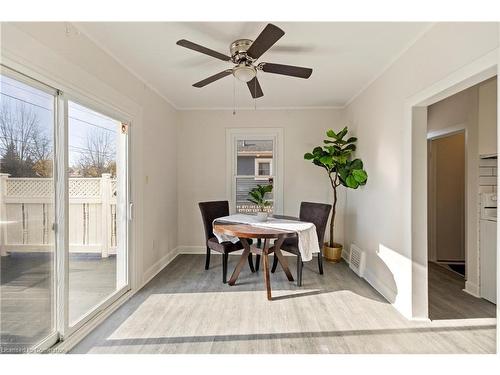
<point x="316" y="213"/>
<point x="209" y="212"/>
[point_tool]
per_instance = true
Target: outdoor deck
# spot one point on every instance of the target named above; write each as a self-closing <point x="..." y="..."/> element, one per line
<point x="25" y="307"/>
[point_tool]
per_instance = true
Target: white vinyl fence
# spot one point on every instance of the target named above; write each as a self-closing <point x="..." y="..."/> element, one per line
<point x="27" y="215"/>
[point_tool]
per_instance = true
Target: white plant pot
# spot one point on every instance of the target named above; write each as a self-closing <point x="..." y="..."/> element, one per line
<point x="262" y="216"/>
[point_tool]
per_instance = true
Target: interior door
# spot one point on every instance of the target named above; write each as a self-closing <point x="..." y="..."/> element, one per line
<point x="447" y="197"/>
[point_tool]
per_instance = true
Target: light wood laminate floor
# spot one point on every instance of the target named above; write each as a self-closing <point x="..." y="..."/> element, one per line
<point x="186" y="309"/>
<point x="447" y="300"/>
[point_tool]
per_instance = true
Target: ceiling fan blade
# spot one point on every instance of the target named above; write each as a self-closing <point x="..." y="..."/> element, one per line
<point x="213" y="78"/>
<point x="270" y="35"/>
<point x="254" y="87"/>
<point x="287" y="70"/>
<point x="207" y="51"/>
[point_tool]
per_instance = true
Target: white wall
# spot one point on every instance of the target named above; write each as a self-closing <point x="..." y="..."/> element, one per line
<point x="488" y="117"/>
<point x="71" y="61"/>
<point x="202" y="164"/>
<point x="377" y="217"/>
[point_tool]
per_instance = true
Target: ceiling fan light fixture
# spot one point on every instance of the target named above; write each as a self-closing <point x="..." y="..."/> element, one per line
<point x="243" y="54"/>
<point x="244" y="72"/>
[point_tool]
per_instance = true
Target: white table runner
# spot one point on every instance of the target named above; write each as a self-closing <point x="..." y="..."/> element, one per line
<point x="308" y="239"/>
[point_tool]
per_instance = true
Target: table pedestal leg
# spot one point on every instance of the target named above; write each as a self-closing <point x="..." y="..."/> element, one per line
<point x="265" y="263"/>
<point x="242" y="261"/>
<point x="265" y="256"/>
<point x="281" y="258"/>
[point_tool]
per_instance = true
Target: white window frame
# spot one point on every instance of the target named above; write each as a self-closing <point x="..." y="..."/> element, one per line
<point x="259" y="161"/>
<point x="236" y="134"/>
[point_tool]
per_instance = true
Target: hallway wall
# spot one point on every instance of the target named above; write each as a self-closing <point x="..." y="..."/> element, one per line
<point x="378" y="217"/>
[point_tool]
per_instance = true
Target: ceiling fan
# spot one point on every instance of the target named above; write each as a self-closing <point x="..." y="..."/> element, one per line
<point x="244" y="54"/>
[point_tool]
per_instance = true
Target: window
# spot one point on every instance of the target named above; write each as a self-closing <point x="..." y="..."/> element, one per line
<point x="263" y="167"/>
<point x="254" y="158"/>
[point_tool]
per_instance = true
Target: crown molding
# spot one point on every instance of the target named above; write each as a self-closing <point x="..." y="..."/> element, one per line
<point x="289" y="108"/>
<point x="390" y="63"/>
<point x="333" y="107"/>
<point x="127" y="68"/>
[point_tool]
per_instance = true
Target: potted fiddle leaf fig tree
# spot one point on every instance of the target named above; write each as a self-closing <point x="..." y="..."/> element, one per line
<point x="335" y="157"/>
<point x="258" y="196"/>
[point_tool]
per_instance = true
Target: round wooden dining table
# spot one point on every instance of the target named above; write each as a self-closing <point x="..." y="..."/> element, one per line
<point x="247" y="231"/>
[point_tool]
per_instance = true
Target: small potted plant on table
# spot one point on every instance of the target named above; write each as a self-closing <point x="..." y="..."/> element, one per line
<point x="335" y="157"/>
<point x="258" y="196"/>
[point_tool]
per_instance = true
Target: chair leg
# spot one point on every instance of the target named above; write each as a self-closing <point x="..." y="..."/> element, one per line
<point x="224" y="267"/>
<point x="275" y="263"/>
<point x="320" y="262"/>
<point x="299" y="270"/>
<point x="257" y="257"/>
<point x="207" y="259"/>
<point x="250" y="262"/>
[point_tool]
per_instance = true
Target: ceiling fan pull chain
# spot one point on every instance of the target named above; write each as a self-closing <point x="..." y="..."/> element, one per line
<point x="234" y="96"/>
<point x="255" y="95"/>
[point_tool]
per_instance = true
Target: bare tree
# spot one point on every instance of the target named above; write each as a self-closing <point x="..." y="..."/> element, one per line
<point x="23" y="143"/>
<point x="98" y="157"/>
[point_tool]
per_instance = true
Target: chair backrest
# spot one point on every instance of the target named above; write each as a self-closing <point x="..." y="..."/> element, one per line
<point x="316" y="213"/>
<point x="211" y="211"/>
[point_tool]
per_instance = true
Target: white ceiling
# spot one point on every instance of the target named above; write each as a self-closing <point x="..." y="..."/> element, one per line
<point x="345" y="57"/>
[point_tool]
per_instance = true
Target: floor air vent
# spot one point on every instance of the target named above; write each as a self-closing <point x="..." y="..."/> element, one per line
<point x="357" y="260"/>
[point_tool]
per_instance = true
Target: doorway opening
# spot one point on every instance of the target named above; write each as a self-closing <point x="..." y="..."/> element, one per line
<point x="461" y="166"/>
<point x="446" y="201"/>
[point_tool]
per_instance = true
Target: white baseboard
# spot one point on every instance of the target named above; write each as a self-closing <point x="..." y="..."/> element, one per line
<point x="390" y="295"/>
<point x="152" y="271"/>
<point x="203" y="250"/>
<point x="200" y="250"/>
<point x="472" y="289"/>
<point x="345" y="254"/>
<point x="424" y="320"/>
<point x="71" y="341"/>
<point x="192" y="249"/>
<point x="387" y="292"/>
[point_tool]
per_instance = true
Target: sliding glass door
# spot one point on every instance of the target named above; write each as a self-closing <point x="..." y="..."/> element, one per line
<point x="62" y="260"/>
<point x="97" y="184"/>
<point x="27" y="245"/>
